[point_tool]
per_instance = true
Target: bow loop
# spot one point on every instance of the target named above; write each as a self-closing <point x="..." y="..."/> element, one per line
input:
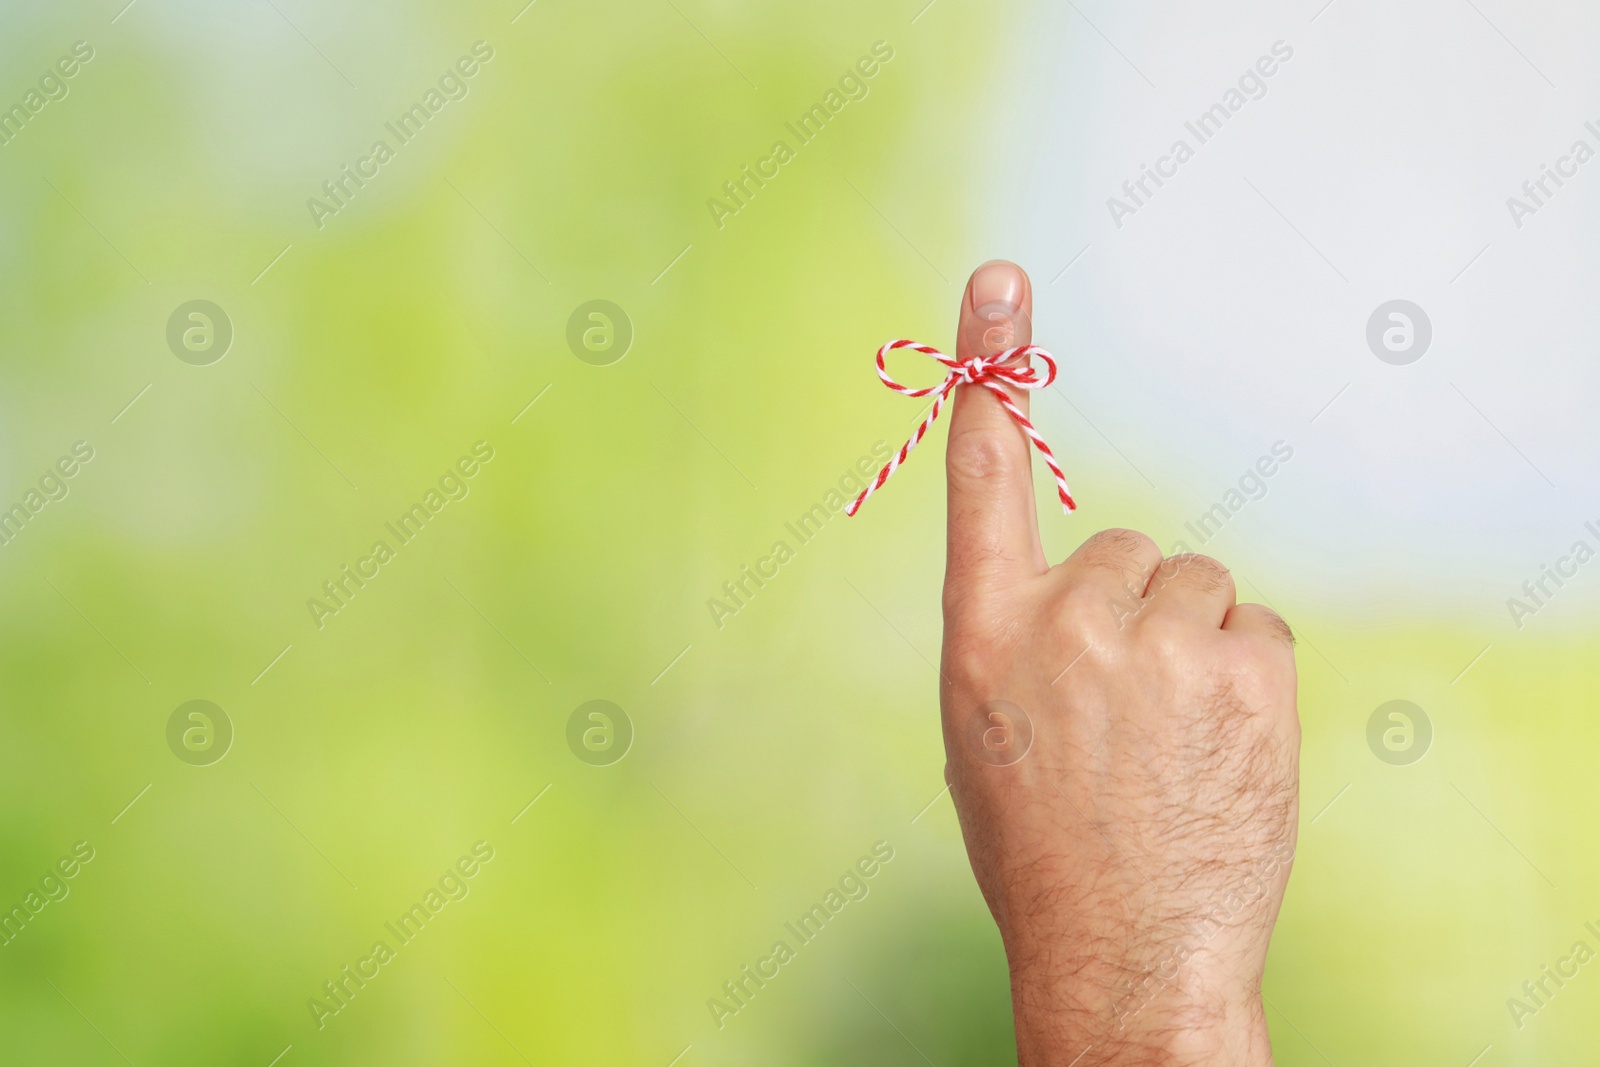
<point x="1013" y="367"/>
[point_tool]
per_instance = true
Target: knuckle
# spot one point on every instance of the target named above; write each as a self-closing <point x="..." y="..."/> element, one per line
<point x="978" y="455"/>
<point x="1114" y="546"/>
<point x="1200" y="572"/>
<point x="1127" y="540"/>
<point x="1193" y="561"/>
<point x="972" y="659"/>
<point x="980" y="632"/>
<point x="1268" y="629"/>
<point x="1278" y="626"/>
<point x="1125" y="554"/>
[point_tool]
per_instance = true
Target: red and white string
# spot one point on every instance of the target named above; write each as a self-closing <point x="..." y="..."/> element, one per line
<point x="985" y="371"/>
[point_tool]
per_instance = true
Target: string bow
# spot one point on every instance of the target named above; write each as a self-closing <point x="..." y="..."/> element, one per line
<point x="1013" y="366"/>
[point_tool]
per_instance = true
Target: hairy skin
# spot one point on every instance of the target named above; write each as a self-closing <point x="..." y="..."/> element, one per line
<point x="1123" y="749"/>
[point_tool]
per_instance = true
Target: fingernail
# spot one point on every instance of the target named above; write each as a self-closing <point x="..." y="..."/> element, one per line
<point x="997" y="285"/>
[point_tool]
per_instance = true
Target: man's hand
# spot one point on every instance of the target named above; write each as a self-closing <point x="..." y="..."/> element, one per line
<point x="1123" y="750"/>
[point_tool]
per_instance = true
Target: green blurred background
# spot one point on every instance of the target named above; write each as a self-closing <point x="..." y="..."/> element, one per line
<point x="769" y="753"/>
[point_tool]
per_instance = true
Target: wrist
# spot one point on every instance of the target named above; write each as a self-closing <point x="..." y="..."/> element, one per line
<point x="1129" y="1018"/>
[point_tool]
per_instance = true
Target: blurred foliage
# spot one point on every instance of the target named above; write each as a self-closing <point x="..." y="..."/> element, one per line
<point x="372" y="752"/>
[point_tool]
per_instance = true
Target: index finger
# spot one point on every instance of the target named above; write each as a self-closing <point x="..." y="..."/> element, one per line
<point x="993" y="521"/>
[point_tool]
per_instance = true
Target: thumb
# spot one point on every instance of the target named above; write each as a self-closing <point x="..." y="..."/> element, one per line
<point x="993" y="523"/>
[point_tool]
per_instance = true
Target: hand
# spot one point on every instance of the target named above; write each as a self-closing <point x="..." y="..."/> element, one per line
<point x="1123" y="750"/>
